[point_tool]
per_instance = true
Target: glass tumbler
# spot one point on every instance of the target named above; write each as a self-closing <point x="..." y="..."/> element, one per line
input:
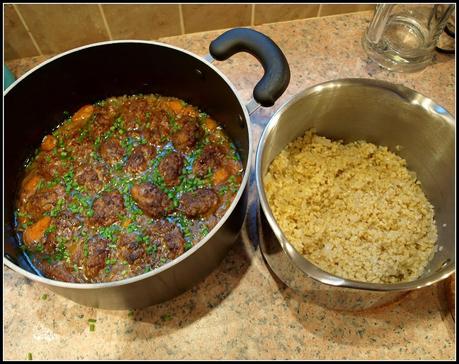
<point x="402" y="38"/>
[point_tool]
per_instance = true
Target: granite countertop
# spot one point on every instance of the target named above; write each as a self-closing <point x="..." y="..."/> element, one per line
<point x="240" y="311"/>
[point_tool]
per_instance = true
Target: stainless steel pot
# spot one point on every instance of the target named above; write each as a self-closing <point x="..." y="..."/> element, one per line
<point x="35" y="103"/>
<point x="409" y="124"/>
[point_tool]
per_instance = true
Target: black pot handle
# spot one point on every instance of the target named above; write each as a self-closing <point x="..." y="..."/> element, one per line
<point x="277" y="72"/>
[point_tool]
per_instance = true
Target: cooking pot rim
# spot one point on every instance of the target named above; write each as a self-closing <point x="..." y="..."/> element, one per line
<point x="203" y="241"/>
<point x="303" y="264"/>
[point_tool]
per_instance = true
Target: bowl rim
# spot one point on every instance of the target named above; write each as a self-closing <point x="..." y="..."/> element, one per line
<point x="302" y="263"/>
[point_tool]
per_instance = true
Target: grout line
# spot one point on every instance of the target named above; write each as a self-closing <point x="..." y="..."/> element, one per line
<point x="104" y="19"/>
<point x="252" y="16"/>
<point x="182" y="23"/>
<point x="28" y="30"/>
<point x="319" y="12"/>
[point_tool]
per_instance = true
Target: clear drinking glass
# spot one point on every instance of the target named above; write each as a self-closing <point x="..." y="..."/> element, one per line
<point x="403" y="37"/>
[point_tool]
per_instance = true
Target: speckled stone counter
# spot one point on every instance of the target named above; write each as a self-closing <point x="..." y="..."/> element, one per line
<point x="240" y="311"/>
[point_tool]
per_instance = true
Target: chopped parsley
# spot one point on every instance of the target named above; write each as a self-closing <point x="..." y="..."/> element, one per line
<point x="151" y="249"/>
<point x="109" y="232"/>
<point x="204" y="230"/>
<point x="61" y="252"/>
<point x="166" y="317"/>
<point x="50" y="229"/>
<point x="175" y="127"/>
<point x="58" y="208"/>
<point x="86" y="247"/>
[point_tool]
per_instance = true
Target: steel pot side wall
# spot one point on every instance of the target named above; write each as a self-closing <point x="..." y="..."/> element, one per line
<point x="409" y="124"/>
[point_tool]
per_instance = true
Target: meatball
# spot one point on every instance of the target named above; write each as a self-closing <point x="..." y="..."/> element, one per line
<point x="103" y="120"/>
<point x="159" y="126"/>
<point x="111" y="151"/>
<point x="211" y="158"/>
<point x="170" y="168"/>
<point x="168" y="237"/>
<point x="175" y="242"/>
<point x="129" y="249"/>
<point x="139" y="158"/>
<point x="49" y="243"/>
<point x="41" y="201"/>
<point x="92" y="177"/>
<point x="187" y="134"/>
<point x="98" y="252"/>
<point x="133" y="112"/>
<point x="151" y="200"/>
<point x="202" y="202"/>
<point x="50" y="168"/>
<point x="107" y="207"/>
<point x="58" y="272"/>
<point x="67" y="223"/>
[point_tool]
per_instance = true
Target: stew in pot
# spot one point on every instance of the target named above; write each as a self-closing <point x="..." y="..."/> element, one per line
<point x="123" y="186"/>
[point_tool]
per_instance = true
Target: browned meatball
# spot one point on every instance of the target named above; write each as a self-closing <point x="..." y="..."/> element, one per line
<point x="103" y="120"/>
<point x="111" y="151"/>
<point x="140" y="134"/>
<point x="175" y="242"/>
<point x="92" y="178"/>
<point x="129" y="249"/>
<point x="151" y="200"/>
<point x="170" y="168"/>
<point x="168" y="237"/>
<point x="211" y="157"/>
<point x="42" y="201"/>
<point x="202" y="202"/>
<point x="139" y="158"/>
<point x="67" y="223"/>
<point x="50" y="168"/>
<point x="107" y="207"/>
<point x="159" y="126"/>
<point x="133" y="112"/>
<point x="49" y="243"/>
<point x="58" y="272"/>
<point x="187" y="134"/>
<point x="98" y="252"/>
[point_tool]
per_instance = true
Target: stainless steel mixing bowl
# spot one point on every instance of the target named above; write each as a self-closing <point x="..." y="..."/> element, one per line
<point x="410" y="125"/>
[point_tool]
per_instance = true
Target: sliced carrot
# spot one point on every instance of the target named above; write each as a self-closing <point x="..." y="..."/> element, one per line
<point x="126" y="223"/>
<point x="83" y="114"/>
<point x="220" y="176"/>
<point x="30" y="184"/>
<point x="190" y="111"/>
<point x="36" y="231"/>
<point x="211" y="124"/>
<point x="176" y="106"/>
<point x="48" y="143"/>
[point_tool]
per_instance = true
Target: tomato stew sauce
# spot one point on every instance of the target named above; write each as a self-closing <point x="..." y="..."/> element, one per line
<point x="124" y="186"/>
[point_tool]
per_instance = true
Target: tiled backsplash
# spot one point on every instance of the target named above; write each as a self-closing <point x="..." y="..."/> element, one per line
<point x="37" y="29"/>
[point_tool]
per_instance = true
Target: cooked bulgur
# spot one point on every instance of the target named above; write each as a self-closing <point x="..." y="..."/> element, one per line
<point x="353" y="209"/>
